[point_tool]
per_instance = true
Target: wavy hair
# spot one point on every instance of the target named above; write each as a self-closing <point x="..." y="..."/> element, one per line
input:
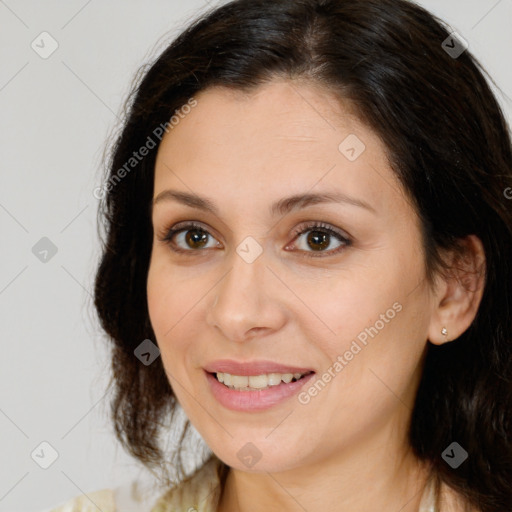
<point x="446" y="140"/>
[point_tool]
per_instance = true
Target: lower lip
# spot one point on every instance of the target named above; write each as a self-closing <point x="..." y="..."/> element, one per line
<point x="249" y="401"/>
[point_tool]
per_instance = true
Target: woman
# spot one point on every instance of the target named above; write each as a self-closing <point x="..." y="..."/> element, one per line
<point x="307" y="248"/>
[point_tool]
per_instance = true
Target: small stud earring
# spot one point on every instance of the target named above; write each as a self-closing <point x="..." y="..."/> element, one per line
<point x="444" y="331"/>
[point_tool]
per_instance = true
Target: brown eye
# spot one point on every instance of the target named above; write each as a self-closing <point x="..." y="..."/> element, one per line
<point x="187" y="238"/>
<point x="319" y="238"/>
<point x="192" y="238"/>
<point x="196" y="238"/>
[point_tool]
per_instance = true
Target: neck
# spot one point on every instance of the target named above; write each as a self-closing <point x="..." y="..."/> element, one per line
<point x="380" y="476"/>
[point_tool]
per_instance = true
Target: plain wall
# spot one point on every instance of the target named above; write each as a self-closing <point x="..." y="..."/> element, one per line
<point x="56" y="114"/>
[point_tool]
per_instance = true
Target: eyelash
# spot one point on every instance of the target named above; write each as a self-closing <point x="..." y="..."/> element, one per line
<point x="169" y="233"/>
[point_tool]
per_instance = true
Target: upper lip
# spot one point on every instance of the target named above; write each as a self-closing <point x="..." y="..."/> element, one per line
<point x="252" y="367"/>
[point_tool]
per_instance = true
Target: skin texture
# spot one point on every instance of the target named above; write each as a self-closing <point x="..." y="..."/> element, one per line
<point x="346" y="448"/>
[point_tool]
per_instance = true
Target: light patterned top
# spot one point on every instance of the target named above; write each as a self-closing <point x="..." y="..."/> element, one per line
<point x="200" y="492"/>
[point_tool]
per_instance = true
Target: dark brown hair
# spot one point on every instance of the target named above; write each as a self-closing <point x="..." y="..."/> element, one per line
<point x="449" y="145"/>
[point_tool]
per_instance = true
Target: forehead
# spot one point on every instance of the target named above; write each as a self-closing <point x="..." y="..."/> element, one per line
<point x="278" y="115"/>
<point x="282" y="136"/>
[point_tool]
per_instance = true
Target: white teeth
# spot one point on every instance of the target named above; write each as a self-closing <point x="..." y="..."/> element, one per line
<point x="274" y="379"/>
<point x="258" y="381"/>
<point x="255" y="382"/>
<point x="239" y="381"/>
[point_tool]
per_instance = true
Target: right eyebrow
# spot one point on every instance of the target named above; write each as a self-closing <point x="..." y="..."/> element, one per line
<point x="281" y="207"/>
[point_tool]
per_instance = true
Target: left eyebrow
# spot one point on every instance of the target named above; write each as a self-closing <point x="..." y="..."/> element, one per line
<point x="281" y="207"/>
<point x="296" y="202"/>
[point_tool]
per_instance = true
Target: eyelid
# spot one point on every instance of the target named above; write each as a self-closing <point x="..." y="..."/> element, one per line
<point x="168" y="233"/>
<point x="320" y="226"/>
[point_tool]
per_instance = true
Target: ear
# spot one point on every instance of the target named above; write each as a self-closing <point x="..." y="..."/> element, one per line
<point x="458" y="292"/>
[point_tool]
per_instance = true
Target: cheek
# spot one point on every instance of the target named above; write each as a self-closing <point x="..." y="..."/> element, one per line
<point x="174" y="305"/>
<point x="166" y="304"/>
<point x="343" y="306"/>
<point x="156" y="296"/>
<point x="377" y="353"/>
<point x="169" y="294"/>
<point x="374" y="323"/>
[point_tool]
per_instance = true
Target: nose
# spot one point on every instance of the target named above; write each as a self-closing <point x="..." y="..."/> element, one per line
<point x="245" y="302"/>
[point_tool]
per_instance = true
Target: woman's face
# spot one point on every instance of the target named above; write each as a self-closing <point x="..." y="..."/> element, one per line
<point x="260" y="283"/>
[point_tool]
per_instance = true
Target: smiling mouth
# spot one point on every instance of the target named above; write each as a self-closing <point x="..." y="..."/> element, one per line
<point x="257" y="382"/>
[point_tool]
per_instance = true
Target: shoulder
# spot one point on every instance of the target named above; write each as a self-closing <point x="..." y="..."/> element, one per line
<point x="102" y="499"/>
<point x="452" y="501"/>
<point x="133" y="496"/>
<point x="200" y="491"/>
<point x="439" y="497"/>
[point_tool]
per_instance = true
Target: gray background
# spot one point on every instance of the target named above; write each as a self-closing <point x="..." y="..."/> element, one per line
<point x="56" y="114"/>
